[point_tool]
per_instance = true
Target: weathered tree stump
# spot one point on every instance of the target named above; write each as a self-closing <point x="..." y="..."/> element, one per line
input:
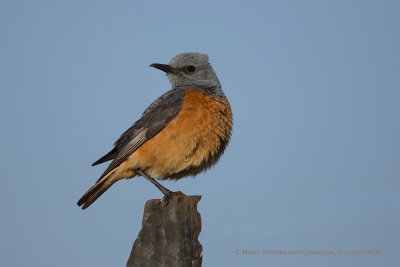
<point x="169" y="234"/>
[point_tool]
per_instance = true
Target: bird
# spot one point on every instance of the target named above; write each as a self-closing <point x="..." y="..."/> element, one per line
<point x="182" y="133"/>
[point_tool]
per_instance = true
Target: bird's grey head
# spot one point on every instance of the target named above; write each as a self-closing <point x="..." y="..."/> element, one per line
<point x="191" y="70"/>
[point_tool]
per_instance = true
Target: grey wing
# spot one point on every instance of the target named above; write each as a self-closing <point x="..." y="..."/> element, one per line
<point x="154" y="119"/>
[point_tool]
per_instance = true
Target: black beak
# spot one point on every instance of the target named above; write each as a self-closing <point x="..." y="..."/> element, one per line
<point x="163" y="67"/>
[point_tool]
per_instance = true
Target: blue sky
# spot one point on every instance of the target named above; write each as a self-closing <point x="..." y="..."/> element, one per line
<point x="314" y="159"/>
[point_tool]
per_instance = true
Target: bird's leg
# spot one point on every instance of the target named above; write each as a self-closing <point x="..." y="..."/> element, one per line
<point x="165" y="191"/>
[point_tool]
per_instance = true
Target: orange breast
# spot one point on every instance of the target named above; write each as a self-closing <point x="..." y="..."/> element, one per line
<point x="191" y="142"/>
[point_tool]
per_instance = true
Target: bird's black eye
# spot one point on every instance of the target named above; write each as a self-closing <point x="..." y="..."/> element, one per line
<point x="190" y="69"/>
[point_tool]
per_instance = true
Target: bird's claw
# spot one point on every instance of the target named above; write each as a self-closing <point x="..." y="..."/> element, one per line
<point x="170" y="195"/>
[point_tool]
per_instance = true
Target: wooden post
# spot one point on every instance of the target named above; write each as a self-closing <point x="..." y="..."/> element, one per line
<point x="169" y="234"/>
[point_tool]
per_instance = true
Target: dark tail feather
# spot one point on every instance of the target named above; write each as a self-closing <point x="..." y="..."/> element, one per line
<point x="109" y="156"/>
<point x="95" y="192"/>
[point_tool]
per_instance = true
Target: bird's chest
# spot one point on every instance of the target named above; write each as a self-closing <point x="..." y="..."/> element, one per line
<point x="202" y="122"/>
<point x="196" y="135"/>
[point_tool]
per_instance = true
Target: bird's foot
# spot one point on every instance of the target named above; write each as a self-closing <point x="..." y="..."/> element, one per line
<point x="170" y="195"/>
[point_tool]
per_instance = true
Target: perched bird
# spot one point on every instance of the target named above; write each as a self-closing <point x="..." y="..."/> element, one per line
<point x="182" y="133"/>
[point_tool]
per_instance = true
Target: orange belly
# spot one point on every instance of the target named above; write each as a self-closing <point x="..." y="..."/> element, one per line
<point x="192" y="142"/>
